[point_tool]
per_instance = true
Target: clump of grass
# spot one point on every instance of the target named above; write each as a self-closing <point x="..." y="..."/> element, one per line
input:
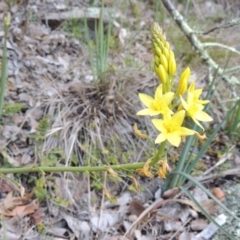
<point x="93" y="121"/>
<point x="98" y="45"/>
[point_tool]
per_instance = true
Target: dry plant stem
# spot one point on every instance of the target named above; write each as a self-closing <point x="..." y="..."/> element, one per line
<point x="215" y="44"/>
<point x="128" y="166"/>
<point x="190" y="34"/>
<point x="232" y="23"/>
<point x="102" y="201"/>
<point x="229" y="172"/>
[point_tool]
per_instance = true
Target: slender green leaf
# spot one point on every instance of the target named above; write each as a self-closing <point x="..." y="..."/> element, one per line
<point x="208" y="216"/>
<point x="189" y="177"/>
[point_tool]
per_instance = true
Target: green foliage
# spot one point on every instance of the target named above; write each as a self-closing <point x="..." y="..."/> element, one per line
<point x="98" y="46"/>
<point x="40" y="189"/>
<point x="12" y="2"/>
<point x="56" y="155"/>
<point x="41" y="228"/>
<point x="74" y="27"/>
<point x="233" y="122"/>
<point x="61" y="201"/>
<point x="43" y="126"/>
<point x="97" y="180"/>
<point x="11" y="108"/>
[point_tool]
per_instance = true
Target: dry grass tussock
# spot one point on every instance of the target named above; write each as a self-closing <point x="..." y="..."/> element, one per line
<point x="98" y="116"/>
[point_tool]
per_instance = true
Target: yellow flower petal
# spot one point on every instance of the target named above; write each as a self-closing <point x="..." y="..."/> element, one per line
<point x="167" y="97"/>
<point x="160" y="138"/>
<point x="174" y="139"/>
<point x="158" y="93"/>
<point x="146" y="99"/>
<point x="185" y="131"/>
<point x="202" y="116"/>
<point x="158" y="124"/>
<point x="170" y="128"/>
<point x="143" y="112"/>
<point x="178" y="117"/>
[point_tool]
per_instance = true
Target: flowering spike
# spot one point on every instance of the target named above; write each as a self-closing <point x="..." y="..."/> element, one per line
<point x="161" y="48"/>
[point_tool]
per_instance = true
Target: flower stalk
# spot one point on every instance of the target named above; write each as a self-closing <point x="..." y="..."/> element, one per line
<point x="129" y="166"/>
<point x="171" y="104"/>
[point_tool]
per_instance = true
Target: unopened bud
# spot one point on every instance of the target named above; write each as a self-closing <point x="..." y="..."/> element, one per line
<point x="161" y="73"/>
<point x="183" y="83"/>
<point x="172" y="64"/>
<point x="164" y="62"/>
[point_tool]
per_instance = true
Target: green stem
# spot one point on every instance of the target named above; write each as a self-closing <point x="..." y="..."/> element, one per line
<point x="4" y="64"/>
<point x="176" y="178"/>
<point x="128" y="166"/>
<point x="159" y="154"/>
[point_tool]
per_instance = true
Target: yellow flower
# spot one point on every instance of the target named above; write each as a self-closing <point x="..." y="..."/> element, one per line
<point x="163" y="169"/>
<point x="171" y="128"/>
<point x="194" y="110"/>
<point x="183" y="82"/>
<point x="196" y="94"/>
<point x="144" y="171"/>
<point x="158" y="104"/>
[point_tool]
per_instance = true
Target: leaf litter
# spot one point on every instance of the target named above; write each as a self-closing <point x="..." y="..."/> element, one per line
<point x="49" y="75"/>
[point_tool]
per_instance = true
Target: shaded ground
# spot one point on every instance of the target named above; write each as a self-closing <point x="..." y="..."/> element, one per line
<point x="56" y="115"/>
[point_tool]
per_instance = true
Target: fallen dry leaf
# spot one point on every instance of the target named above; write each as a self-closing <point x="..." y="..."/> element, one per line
<point x="199" y="224"/>
<point x="186" y="235"/>
<point x="5" y="186"/>
<point x="209" y="206"/>
<point x="170" y="193"/>
<point x="10" y="159"/>
<point x="21" y="211"/>
<point x="38" y="215"/>
<point x="136" y="208"/>
<point x="8" y="201"/>
<point x="199" y="195"/>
